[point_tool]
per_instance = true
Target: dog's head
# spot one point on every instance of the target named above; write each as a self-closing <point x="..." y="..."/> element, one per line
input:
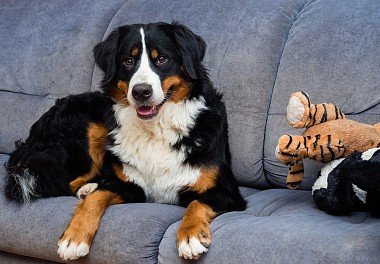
<point x="146" y="65"/>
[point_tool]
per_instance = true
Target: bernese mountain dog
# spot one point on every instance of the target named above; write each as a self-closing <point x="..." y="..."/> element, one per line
<point x="156" y="133"/>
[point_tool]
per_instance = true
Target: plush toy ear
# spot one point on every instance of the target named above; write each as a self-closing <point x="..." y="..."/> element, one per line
<point x="105" y="53"/>
<point x="191" y="48"/>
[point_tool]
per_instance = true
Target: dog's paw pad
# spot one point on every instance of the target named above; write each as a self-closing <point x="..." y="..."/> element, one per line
<point x="192" y="249"/>
<point x="86" y="190"/>
<point x="70" y="251"/>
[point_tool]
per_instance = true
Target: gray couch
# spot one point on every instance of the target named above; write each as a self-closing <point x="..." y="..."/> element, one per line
<point x="259" y="51"/>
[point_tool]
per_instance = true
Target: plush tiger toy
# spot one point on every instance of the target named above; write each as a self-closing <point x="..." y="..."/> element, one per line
<point x="329" y="135"/>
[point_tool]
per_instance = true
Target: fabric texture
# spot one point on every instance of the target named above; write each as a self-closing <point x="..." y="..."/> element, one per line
<point x="46" y="53"/>
<point x="145" y="233"/>
<point x="332" y="53"/>
<point x="129" y="233"/>
<point x="284" y="226"/>
<point x="259" y="52"/>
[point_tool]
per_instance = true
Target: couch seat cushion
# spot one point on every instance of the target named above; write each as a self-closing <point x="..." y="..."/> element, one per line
<point x="129" y="233"/>
<point x="284" y="226"/>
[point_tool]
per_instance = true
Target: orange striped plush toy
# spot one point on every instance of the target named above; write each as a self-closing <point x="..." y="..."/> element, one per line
<point x="329" y="135"/>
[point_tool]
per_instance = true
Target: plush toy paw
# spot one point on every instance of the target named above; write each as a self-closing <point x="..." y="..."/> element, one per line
<point x="298" y="110"/>
<point x="329" y="203"/>
<point x="290" y="148"/>
<point x="293" y="185"/>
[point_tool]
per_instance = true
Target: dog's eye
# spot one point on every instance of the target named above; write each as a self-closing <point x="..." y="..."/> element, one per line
<point x="129" y="62"/>
<point x="161" y="60"/>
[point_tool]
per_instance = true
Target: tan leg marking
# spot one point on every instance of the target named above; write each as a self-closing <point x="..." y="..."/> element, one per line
<point x="193" y="235"/>
<point x="97" y="139"/>
<point x="118" y="170"/>
<point x="77" y="238"/>
<point x="206" y="179"/>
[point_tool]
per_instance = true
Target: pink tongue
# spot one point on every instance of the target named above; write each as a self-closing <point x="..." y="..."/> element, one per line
<point x="145" y="110"/>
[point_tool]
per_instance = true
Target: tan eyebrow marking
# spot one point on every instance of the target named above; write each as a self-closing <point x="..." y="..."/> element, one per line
<point x="154" y="54"/>
<point x="135" y="51"/>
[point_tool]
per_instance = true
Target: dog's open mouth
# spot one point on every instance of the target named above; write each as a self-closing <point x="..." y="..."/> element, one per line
<point x="150" y="111"/>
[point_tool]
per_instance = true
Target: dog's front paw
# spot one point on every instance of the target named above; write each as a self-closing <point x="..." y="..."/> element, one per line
<point x="86" y="190"/>
<point x="73" y="244"/>
<point x="193" y="241"/>
<point x="69" y="250"/>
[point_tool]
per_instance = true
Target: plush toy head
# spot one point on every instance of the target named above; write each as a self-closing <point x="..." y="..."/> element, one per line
<point x="329" y="135"/>
<point x="351" y="183"/>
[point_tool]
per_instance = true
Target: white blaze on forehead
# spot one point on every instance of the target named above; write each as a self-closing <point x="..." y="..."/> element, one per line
<point x="145" y="74"/>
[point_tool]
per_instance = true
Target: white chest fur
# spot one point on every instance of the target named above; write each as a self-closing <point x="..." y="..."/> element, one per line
<point x="145" y="148"/>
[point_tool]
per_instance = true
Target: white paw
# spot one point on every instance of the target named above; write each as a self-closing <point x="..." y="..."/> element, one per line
<point x="71" y="251"/>
<point x="295" y="110"/>
<point x="192" y="249"/>
<point x="86" y="189"/>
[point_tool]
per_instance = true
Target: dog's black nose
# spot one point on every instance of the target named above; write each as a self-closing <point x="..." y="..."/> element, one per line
<point x="142" y="92"/>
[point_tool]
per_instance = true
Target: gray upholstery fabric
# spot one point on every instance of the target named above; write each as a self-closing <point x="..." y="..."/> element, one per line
<point x="46" y="53"/>
<point x="284" y="226"/>
<point x="9" y="258"/>
<point x="332" y="52"/>
<point x="145" y="233"/>
<point x="259" y="52"/>
<point x="129" y="233"/>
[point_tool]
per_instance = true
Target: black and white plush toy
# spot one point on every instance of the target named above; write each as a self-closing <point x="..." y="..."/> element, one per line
<point x="350" y="184"/>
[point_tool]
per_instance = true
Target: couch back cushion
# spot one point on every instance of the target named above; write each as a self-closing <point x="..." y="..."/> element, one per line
<point x="45" y="53"/>
<point x="258" y="53"/>
<point x="332" y="52"/>
<point x="244" y="46"/>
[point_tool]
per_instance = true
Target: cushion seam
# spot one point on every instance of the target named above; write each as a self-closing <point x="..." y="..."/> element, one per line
<point x="297" y="15"/>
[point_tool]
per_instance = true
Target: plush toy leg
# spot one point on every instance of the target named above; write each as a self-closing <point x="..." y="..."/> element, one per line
<point x="301" y="113"/>
<point x="291" y="151"/>
<point x="324" y="148"/>
<point x="295" y="175"/>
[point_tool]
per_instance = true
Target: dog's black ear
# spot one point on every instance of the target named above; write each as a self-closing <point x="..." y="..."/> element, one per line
<point x="105" y="55"/>
<point x="191" y="48"/>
